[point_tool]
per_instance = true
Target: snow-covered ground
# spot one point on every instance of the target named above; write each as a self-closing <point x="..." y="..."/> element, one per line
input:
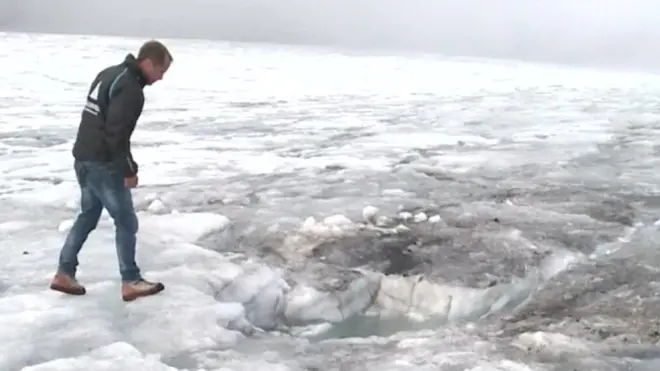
<point x="313" y="210"/>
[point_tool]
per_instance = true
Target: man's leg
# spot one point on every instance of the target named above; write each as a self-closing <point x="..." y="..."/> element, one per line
<point x="118" y="200"/>
<point x="119" y="203"/>
<point x="86" y="222"/>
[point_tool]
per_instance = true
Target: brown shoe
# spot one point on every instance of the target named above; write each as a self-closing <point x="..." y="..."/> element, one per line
<point x="133" y="290"/>
<point x="67" y="284"/>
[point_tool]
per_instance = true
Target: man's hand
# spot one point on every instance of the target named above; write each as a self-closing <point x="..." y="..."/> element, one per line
<point x="131" y="182"/>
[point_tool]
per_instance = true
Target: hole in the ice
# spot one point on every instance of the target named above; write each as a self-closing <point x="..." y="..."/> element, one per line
<point x="364" y="326"/>
<point x="389" y="255"/>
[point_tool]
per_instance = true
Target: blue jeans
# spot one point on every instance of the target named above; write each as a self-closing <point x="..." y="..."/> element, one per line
<point x="102" y="186"/>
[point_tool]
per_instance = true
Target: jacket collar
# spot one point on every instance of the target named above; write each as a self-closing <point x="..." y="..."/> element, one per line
<point x="132" y="64"/>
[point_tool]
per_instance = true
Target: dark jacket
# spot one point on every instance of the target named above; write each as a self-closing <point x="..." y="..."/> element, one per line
<point x="114" y="105"/>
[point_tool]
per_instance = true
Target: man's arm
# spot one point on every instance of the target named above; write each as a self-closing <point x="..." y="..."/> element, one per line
<point x="123" y="111"/>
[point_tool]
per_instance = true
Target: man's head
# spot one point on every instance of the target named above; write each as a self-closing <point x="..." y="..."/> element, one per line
<point x="154" y="60"/>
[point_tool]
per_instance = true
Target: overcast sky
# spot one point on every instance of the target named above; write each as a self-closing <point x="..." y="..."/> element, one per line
<point x="622" y="33"/>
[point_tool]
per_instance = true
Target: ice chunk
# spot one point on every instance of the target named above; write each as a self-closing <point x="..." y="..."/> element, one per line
<point x="185" y="227"/>
<point x="401" y="228"/>
<point x="383" y="221"/>
<point x="267" y="308"/>
<point x="369" y="213"/>
<point x="244" y="287"/>
<point x="307" y="305"/>
<point x="65" y="225"/>
<point x="435" y="219"/>
<point x="420" y="217"/>
<point x="405" y="215"/>
<point x="332" y="226"/>
<point x="151" y="197"/>
<point x="308" y="224"/>
<point x="261" y="290"/>
<point x="338" y="220"/>
<point x="157" y="207"/>
<point x="184" y="320"/>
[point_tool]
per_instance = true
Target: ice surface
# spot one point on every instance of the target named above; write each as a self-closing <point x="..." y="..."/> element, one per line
<point x="311" y="210"/>
<point x="111" y="357"/>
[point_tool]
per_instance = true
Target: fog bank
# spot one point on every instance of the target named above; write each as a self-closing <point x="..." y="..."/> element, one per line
<point x="620" y="33"/>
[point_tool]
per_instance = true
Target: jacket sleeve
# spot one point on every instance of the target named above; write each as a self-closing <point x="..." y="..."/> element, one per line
<point x="123" y="111"/>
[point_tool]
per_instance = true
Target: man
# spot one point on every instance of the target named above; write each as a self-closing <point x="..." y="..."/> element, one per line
<point x="105" y="168"/>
